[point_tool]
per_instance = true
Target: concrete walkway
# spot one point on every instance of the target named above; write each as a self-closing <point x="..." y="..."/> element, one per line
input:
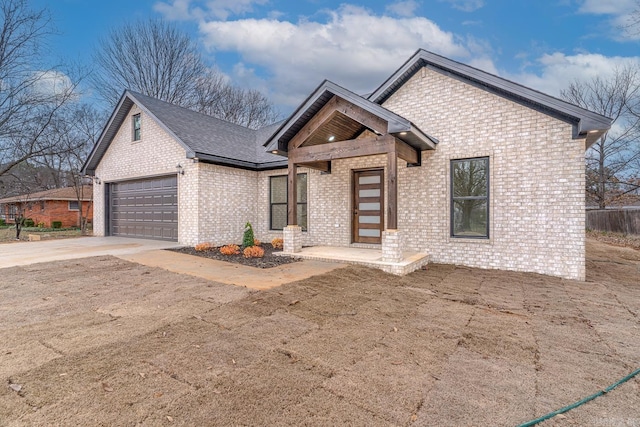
<point x="151" y="253"/>
<point x="232" y="273"/>
<point x="25" y="253"/>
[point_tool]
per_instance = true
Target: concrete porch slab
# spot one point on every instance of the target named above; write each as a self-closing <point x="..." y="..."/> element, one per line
<point x="410" y="262"/>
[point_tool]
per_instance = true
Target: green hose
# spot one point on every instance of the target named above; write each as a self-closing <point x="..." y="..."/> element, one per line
<point x="580" y="402"/>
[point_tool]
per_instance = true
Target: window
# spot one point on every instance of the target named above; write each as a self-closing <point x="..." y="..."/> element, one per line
<point x="136" y="127"/>
<point x="470" y="198"/>
<point x="278" y="201"/>
<point x="42" y="205"/>
<point x="73" y="205"/>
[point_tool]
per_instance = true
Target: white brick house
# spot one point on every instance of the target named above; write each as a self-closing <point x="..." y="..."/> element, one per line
<point x="441" y="159"/>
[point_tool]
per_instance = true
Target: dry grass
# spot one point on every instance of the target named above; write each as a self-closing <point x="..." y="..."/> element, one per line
<point x="131" y="345"/>
<point x="8" y="235"/>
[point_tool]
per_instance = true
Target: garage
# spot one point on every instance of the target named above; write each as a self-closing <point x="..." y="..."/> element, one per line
<point x="144" y="208"/>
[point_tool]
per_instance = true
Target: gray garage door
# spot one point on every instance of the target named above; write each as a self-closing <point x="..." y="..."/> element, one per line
<point x="146" y="208"/>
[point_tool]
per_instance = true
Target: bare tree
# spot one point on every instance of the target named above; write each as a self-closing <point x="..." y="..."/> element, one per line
<point x="76" y="130"/>
<point x="613" y="162"/>
<point x="30" y="96"/>
<point x="156" y="59"/>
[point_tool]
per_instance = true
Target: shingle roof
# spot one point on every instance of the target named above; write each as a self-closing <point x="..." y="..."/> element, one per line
<point x="204" y="137"/>
<point x="585" y="123"/>
<point x="67" y="193"/>
<point x="400" y="127"/>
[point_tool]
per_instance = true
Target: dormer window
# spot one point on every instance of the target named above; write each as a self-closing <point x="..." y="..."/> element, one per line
<point x="137" y="121"/>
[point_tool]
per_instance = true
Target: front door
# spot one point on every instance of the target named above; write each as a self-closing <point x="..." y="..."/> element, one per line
<point x="368" y="206"/>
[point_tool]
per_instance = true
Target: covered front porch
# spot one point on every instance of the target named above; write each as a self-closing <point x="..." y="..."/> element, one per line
<point x="409" y="262"/>
<point x="335" y="124"/>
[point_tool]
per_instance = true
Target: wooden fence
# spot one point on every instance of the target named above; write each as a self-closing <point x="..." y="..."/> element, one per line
<point x="626" y="221"/>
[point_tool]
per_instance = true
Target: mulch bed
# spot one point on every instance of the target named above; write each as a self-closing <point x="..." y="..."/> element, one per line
<point x="268" y="261"/>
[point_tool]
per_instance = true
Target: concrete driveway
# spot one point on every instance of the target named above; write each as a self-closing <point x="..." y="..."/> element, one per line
<point x="25" y="253"/>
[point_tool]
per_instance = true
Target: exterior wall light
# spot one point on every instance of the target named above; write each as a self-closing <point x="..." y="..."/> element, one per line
<point x="179" y="168"/>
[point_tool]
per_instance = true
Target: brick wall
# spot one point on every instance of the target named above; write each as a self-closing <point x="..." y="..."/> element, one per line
<point x="155" y="154"/>
<point x="536" y="182"/>
<point x="57" y="210"/>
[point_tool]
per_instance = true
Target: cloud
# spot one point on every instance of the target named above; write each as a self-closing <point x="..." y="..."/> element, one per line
<point x="51" y="83"/>
<point x="466" y="5"/>
<point x="182" y="10"/>
<point x="606" y="7"/>
<point x="352" y="47"/>
<point x="557" y="70"/>
<point x="404" y="9"/>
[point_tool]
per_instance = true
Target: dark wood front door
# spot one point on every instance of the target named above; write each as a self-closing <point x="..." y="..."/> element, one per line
<point x="368" y="206"/>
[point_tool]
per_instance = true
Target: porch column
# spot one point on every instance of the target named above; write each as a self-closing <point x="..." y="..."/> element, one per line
<point x="392" y="189"/>
<point x="391" y="236"/>
<point x="292" y="233"/>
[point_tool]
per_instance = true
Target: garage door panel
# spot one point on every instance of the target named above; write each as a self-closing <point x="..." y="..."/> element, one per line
<point x="146" y="208"/>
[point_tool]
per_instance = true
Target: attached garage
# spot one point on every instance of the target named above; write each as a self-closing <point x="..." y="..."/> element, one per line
<point x="144" y="208"/>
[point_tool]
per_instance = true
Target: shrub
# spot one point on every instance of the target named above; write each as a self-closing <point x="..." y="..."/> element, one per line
<point x="230" y="250"/>
<point x="56" y="224"/>
<point x="248" y="238"/>
<point x="253" y="252"/>
<point x="2" y="222"/>
<point x="41" y="225"/>
<point x="203" y="247"/>
<point x="277" y="243"/>
<point x="28" y="222"/>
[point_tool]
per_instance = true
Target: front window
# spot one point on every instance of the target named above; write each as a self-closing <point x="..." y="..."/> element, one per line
<point x="470" y="198"/>
<point x="74" y="205"/>
<point x="278" y="201"/>
<point x="136" y="127"/>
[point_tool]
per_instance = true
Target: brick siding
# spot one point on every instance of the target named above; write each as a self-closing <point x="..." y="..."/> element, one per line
<point x="536" y="183"/>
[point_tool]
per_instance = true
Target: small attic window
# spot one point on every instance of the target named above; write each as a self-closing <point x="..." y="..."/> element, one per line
<point x="136" y="123"/>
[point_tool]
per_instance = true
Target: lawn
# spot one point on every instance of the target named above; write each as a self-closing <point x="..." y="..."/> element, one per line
<point x="102" y="341"/>
<point x="8" y="234"/>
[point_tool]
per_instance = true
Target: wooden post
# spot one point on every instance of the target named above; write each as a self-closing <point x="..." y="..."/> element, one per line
<point x="292" y="194"/>
<point x="392" y="189"/>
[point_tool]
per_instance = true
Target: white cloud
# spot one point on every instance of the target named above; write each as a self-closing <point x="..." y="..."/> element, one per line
<point x="607" y="7"/>
<point x="51" y="83"/>
<point x="218" y="9"/>
<point x="354" y="48"/>
<point x="558" y="70"/>
<point x="466" y="5"/>
<point x="404" y="9"/>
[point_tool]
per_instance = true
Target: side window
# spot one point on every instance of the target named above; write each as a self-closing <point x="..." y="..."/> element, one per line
<point x="136" y="126"/>
<point x="278" y="201"/>
<point x="470" y="198"/>
<point x="73" y="205"/>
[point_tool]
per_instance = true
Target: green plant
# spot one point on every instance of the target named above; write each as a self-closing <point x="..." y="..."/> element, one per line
<point x="277" y="243"/>
<point x="230" y="250"/>
<point x="253" y="252"/>
<point x="41" y="225"/>
<point x="248" y="238"/>
<point x="56" y="224"/>
<point x="28" y="222"/>
<point x="2" y="222"/>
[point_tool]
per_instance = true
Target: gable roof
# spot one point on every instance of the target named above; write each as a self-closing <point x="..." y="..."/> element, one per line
<point x="398" y="126"/>
<point x="204" y="137"/>
<point x="585" y="122"/>
<point x="67" y="193"/>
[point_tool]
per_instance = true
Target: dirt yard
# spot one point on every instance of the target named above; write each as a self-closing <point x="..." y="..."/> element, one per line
<point x="102" y="341"/>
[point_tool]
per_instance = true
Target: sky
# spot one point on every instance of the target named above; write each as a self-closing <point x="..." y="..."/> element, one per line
<point x="287" y="48"/>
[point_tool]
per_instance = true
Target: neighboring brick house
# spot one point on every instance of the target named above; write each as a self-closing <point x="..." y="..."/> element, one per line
<point x="59" y="204"/>
<point x="442" y="158"/>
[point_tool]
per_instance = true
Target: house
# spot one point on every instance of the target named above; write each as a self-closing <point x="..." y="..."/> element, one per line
<point x="59" y="204"/>
<point x="442" y="159"/>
